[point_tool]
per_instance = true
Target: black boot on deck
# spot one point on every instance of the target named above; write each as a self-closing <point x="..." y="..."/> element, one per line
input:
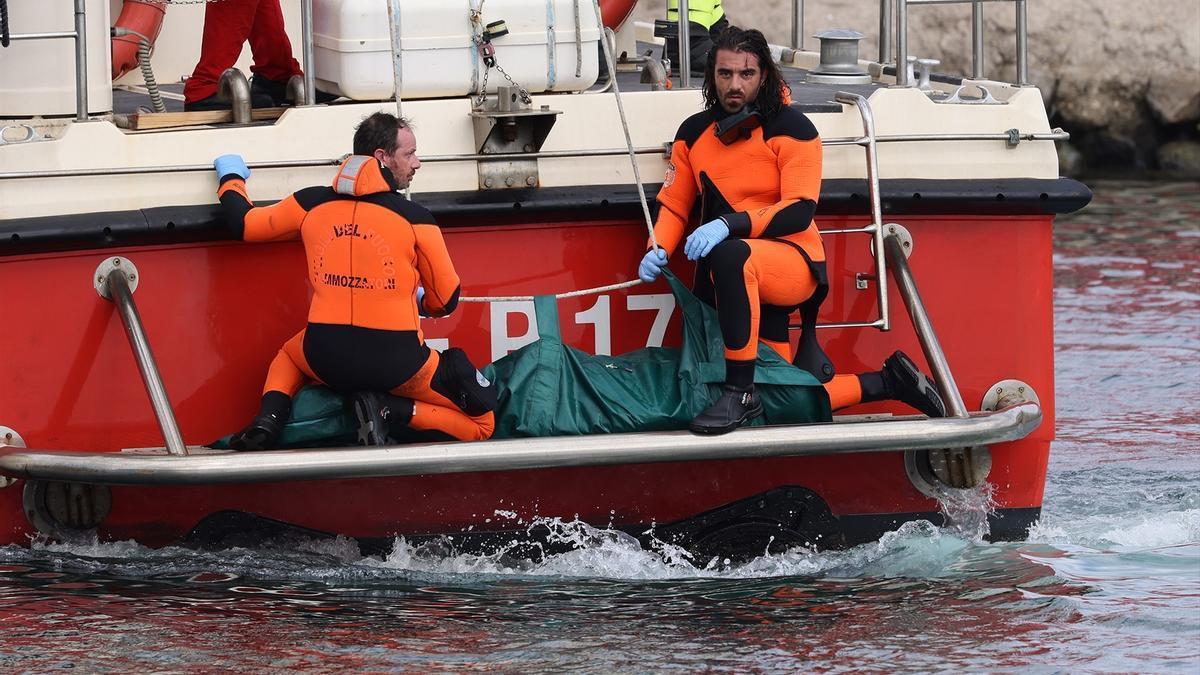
<point x="263" y="432"/>
<point x="906" y="383"/>
<point x="733" y="408"/>
<point x="260" y="434"/>
<point x="372" y="410"/>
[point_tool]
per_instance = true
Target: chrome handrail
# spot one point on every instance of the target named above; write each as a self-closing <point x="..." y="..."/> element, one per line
<point x="114" y="285"/>
<point x="208" y="467"/>
<point x="875" y="229"/>
<point x="80" y="37"/>
<point x="798" y="24"/>
<point x="977" y="37"/>
<point x="923" y="327"/>
<point x="306" y="50"/>
<point x="685" y="45"/>
<point x="1056" y="135"/>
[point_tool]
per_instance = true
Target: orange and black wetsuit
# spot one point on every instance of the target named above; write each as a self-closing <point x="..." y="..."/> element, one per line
<point x="368" y="249"/>
<point x="765" y="184"/>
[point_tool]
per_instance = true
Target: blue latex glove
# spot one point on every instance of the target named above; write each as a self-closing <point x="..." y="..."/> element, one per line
<point x="652" y="264"/>
<point x="420" y="299"/>
<point x="708" y="235"/>
<point x="231" y="164"/>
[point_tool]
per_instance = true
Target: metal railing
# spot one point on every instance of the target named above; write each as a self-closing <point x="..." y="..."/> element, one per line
<point x="80" y="37"/>
<point x="977" y="37"/>
<point x="116" y="279"/>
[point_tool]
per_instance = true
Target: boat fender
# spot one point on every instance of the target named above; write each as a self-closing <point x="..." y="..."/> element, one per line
<point x="138" y="16"/>
<point x="616" y="11"/>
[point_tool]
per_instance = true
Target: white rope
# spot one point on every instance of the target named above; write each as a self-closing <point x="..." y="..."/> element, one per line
<point x="637" y="177"/>
<point x="612" y="74"/>
<point x="557" y="296"/>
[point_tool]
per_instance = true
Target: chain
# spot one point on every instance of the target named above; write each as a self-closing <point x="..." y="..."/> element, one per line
<point x="487" y="51"/>
<point x="520" y="90"/>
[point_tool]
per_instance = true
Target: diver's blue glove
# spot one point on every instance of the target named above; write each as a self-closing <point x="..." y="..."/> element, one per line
<point x="420" y="300"/>
<point x="231" y="164"/>
<point x="708" y="235"/>
<point x="652" y="264"/>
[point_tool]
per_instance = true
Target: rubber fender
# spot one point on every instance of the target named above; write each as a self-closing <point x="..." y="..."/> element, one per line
<point x="614" y="11"/>
<point x="142" y="16"/>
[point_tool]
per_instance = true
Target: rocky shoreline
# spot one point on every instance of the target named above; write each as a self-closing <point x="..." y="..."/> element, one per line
<point x="1122" y="78"/>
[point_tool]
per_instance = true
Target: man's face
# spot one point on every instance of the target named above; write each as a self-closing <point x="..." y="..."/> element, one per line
<point x="738" y="78"/>
<point x="403" y="163"/>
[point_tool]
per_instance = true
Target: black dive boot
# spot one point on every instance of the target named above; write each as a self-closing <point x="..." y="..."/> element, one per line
<point x="372" y="410"/>
<point x="904" y="382"/>
<point x="457" y="379"/>
<point x="263" y="432"/>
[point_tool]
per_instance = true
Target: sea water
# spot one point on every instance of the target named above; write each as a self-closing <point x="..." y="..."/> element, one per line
<point x="1109" y="579"/>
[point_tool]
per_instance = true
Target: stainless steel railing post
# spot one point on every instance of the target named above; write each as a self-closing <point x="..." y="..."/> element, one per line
<point x="798" y="24"/>
<point x="901" y="43"/>
<point x="977" y="39"/>
<point x="685" y="45"/>
<point x="885" y="30"/>
<point x="113" y="279"/>
<point x="876" y="226"/>
<point x="81" y="90"/>
<point x="306" y="41"/>
<point x="1022" y="45"/>
<point x="930" y="346"/>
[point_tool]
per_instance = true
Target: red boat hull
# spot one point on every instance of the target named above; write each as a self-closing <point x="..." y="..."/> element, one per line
<point x="216" y="313"/>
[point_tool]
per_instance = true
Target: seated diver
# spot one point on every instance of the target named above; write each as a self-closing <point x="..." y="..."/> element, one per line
<point x="363" y="336"/>
<point x="755" y="162"/>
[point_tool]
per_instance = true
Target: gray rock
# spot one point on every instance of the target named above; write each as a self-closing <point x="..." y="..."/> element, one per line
<point x="1181" y="158"/>
<point x="1097" y="64"/>
<point x="1070" y="160"/>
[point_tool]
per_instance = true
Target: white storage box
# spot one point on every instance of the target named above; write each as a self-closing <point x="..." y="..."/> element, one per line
<point x="352" y="47"/>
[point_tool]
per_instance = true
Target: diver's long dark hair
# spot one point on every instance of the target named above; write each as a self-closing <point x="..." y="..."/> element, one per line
<point x="770" y="98"/>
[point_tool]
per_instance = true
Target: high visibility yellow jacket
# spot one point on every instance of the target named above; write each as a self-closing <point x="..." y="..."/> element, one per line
<point x="703" y="12"/>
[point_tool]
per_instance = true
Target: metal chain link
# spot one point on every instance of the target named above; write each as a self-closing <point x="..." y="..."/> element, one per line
<point x="478" y="41"/>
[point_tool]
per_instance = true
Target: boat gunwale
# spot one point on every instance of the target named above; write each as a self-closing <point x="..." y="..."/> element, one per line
<point x="227" y="467"/>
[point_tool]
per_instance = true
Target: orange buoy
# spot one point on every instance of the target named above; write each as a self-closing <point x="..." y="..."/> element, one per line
<point x="142" y="16"/>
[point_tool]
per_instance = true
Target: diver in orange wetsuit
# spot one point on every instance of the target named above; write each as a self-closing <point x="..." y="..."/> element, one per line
<point x="376" y="261"/>
<point x="756" y="163"/>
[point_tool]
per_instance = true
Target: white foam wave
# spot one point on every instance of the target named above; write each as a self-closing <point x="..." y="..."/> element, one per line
<point x="1157" y="530"/>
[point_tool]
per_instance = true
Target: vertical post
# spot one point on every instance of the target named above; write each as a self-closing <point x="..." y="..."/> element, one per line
<point x="306" y="41"/>
<point x="977" y="39"/>
<point x="902" y="43"/>
<point x="1022" y="45"/>
<point x="685" y="46"/>
<point x="113" y="284"/>
<point x="873" y="192"/>
<point x="924" y="328"/>
<point x="885" y="31"/>
<point x="394" y="29"/>
<point x="81" y="88"/>
<point x="798" y="24"/>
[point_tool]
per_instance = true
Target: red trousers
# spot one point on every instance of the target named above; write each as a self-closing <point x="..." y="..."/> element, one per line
<point x="227" y="26"/>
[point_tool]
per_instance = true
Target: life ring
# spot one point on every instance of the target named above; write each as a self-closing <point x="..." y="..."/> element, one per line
<point x="142" y="16"/>
<point x="616" y="11"/>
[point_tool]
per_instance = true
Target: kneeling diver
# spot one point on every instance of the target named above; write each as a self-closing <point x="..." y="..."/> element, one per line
<point x="376" y="261"/>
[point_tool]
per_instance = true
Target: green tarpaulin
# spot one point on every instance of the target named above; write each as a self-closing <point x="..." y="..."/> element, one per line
<point x="548" y="388"/>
